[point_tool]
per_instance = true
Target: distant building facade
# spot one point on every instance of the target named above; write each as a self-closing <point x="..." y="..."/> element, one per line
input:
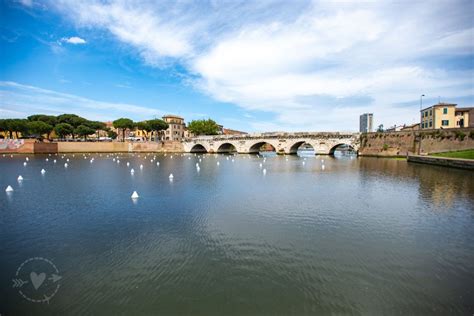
<point x="446" y="115"/>
<point x="176" y="129"/>
<point x="366" y="123"/>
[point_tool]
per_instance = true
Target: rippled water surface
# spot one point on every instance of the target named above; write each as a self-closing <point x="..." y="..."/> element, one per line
<point x="361" y="236"/>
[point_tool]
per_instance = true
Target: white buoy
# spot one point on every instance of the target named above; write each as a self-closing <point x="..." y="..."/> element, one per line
<point x="233" y="160"/>
<point x="24" y="164"/>
<point x="171" y="157"/>
<point x="128" y="164"/>
<point x="158" y="163"/>
<point x="171" y="177"/>
<point x="118" y="161"/>
<point x="200" y="159"/>
<point x="322" y="167"/>
<point x="141" y="166"/>
<point x="54" y="161"/>
<point x="67" y="160"/>
<point x="113" y="159"/>
<point x="47" y="159"/>
<point x="303" y="163"/>
<point x="27" y="159"/>
<point x="9" y="189"/>
<point x="20" y="178"/>
<point x="198" y="168"/>
<point x="135" y="195"/>
<point x="65" y="165"/>
<point x="132" y="171"/>
<point x="264" y="171"/>
<point x="218" y="163"/>
<point x="197" y="164"/>
<point x="92" y="160"/>
<point x="43" y="171"/>
<point x="322" y="160"/>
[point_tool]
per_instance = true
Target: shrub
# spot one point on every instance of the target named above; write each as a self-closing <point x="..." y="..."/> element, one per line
<point x="385" y="146"/>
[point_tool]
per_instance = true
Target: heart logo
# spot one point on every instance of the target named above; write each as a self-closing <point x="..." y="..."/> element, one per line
<point x="37" y="279"/>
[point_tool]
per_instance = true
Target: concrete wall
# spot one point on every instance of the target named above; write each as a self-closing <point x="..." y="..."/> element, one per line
<point x="77" y="147"/>
<point x="416" y="142"/>
<point x="441" y="161"/>
<point x="26" y="146"/>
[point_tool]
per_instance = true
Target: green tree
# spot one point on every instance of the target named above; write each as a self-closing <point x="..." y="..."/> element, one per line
<point x="112" y="134"/>
<point x="144" y="126"/>
<point x="39" y="128"/>
<point x="64" y="129"/>
<point x="380" y="128"/>
<point x="123" y="124"/>
<point x="17" y="126"/>
<point x="97" y="126"/>
<point x="48" y="119"/>
<point x="83" y="130"/>
<point x="203" y="127"/>
<point x="71" y="119"/>
<point x="157" y="125"/>
<point x="3" y="125"/>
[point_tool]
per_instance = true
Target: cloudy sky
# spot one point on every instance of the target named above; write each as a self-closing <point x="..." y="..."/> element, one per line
<point x="251" y="65"/>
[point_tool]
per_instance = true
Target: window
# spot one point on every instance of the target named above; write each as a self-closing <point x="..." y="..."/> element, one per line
<point x="445" y="111"/>
<point x="422" y="125"/>
<point x="431" y="112"/>
<point x="445" y="122"/>
<point x="431" y="123"/>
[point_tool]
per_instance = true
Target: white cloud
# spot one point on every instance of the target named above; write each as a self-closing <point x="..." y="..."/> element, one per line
<point x="73" y="40"/>
<point x="23" y="100"/>
<point x="289" y="59"/>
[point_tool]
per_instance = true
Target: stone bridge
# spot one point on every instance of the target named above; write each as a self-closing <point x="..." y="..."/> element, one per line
<point x="283" y="143"/>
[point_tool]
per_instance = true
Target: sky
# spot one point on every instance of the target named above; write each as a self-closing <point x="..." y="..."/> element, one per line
<point x="249" y="65"/>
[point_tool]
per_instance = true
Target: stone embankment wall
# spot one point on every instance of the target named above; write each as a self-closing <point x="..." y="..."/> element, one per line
<point x="26" y="146"/>
<point x="80" y="147"/>
<point x="445" y="162"/>
<point x="416" y="142"/>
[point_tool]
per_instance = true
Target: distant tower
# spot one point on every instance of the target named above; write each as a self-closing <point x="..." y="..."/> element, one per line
<point x="365" y="123"/>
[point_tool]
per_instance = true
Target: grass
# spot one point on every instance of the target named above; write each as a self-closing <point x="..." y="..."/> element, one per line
<point x="465" y="154"/>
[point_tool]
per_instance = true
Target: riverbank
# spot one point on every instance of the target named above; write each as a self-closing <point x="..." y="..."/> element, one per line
<point x="463" y="154"/>
<point x="459" y="163"/>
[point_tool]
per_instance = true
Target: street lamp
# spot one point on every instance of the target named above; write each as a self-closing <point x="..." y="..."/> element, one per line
<point x="421" y="101"/>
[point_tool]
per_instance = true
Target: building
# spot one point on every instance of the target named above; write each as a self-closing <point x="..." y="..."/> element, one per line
<point x="413" y="127"/>
<point x="228" y="131"/>
<point x="176" y="127"/>
<point x="394" y="128"/>
<point x="366" y="123"/>
<point x="464" y="117"/>
<point x="446" y="115"/>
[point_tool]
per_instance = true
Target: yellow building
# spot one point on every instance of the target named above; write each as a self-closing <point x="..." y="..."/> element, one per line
<point x="441" y="115"/>
<point x="462" y="117"/>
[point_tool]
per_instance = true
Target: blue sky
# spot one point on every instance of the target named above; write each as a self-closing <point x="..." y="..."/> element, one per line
<point x="250" y="65"/>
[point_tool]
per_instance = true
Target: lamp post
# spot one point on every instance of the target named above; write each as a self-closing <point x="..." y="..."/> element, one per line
<point x="421" y="101"/>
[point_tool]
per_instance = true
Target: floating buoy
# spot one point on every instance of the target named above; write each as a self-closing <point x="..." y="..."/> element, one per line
<point x="198" y="169"/>
<point x="113" y="159"/>
<point x="65" y="165"/>
<point x="9" y="189"/>
<point x="218" y="163"/>
<point x="20" y="178"/>
<point x="197" y="164"/>
<point x="27" y="159"/>
<point x="303" y="163"/>
<point x="171" y="157"/>
<point x="141" y="166"/>
<point x="322" y="160"/>
<point x="132" y="171"/>
<point x="47" y="159"/>
<point x="264" y="171"/>
<point x="24" y="164"/>
<point x="135" y="195"/>
<point x="158" y="163"/>
<point x="260" y="165"/>
<point x="171" y="177"/>
<point x="43" y="171"/>
<point x="128" y="164"/>
<point x="118" y="161"/>
<point x="92" y="160"/>
<point x="54" y="161"/>
<point x="67" y="160"/>
<point x="200" y="159"/>
<point x="322" y="167"/>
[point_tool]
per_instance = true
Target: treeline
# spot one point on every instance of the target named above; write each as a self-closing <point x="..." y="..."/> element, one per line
<point x="65" y="125"/>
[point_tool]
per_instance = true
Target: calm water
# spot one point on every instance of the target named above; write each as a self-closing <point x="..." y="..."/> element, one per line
<point x="362" y="236"/>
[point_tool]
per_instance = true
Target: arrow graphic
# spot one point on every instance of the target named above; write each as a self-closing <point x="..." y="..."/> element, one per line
<point x="18" y="282"/>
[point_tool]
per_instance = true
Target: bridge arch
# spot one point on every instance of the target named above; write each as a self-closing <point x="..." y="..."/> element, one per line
<point x="255" y="147"/>
<point x="198" y="148"/>
<point x="335" y="147"/>
<point x="227" y="148"/>
<point x="294" y="148"/>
